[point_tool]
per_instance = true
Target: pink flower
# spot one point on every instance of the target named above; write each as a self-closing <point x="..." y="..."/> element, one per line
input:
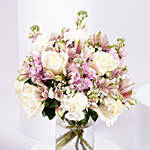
<point x="101" y="40"/>
<point x="88" y="82"/>
<point x="107" y="86"/>
<point x="33" y="67"/>
<point x="85" y="68"/>
<point x="122" y="54"/>
<point x="126" y="88"/>
<point x="82" y="75"/>
<point x="72" y="54"/>
<point x="91" y="73"/>
<point x="119" y="55"/>
<point x="78" y="48"/>
<point x="119" y="72"/>
<point x="83" y="84"/>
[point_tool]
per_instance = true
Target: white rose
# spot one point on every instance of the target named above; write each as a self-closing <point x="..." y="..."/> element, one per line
<point x="109" y="110"/>
<point x="39" y="44"/>
<point x="103" y="62"/>
<point x="75" y="106"/>
<point x="54" y="61"/>
<point x="29" y="99"/>
<point x="18" y="87"/>
<point x="76" y="35"/>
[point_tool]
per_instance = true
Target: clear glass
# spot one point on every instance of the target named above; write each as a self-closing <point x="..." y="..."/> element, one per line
<point x="76" y="138"/>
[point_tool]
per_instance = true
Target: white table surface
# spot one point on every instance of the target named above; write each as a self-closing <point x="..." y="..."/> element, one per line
<point x="11" y="139"/>
<point x="100" y="144"/>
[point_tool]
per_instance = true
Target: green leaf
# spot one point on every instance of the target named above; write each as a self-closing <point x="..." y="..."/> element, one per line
<point x="111" y="46"/>
<point x="86" y="119"/>
<point x="49" y="112"/>
<point x="121" y="39"/>
<point x="50" y="107"/>
<point x="63" y="117"/>
<point x="93" y="114"/>
<point x="35" y="28"/>
<point x="49" y="83"/>
<point x="132" y="101"/>
<point x="29" y="81"/>
<point x="52" y="103"/>
<point x="71" y="122"/>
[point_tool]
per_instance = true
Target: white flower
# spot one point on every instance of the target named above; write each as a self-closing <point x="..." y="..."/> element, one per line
<point x="39" y="44"/>
<point x="18" y="87"/>
<point x="54" y="61"/>
<point x="29" y="98"/>
<point x="75" y="106"/>
<point x="109" y="110"/>
<point x="76" y="35"/>
<point x="103" y="62"/>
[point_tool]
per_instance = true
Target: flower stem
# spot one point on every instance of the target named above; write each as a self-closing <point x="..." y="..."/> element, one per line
<point x="86" y="143"/>
<point x="69" y="136"/>
<point x="83" y="147"/>
<point x="77" y="143"/>
<point x="63" y="136"/>
<point x="65" y="141"/>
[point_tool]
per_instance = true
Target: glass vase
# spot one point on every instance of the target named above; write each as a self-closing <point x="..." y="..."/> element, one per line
<point x="74" y="138"/>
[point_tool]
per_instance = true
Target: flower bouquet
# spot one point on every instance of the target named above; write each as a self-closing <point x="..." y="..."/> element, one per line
<point x="78" y="77"/>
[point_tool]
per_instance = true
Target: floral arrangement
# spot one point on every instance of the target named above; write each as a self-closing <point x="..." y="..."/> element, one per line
<point x="75" y="75"/>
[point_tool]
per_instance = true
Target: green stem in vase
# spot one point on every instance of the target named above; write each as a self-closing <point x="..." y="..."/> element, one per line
<point x="63" y="136"/>
<point x="65" y="141"/>
<point x="69" y="136"/>
<point x="83" y="147"/>
<point x="77" y="143"/>
<point x="86" y="143"/>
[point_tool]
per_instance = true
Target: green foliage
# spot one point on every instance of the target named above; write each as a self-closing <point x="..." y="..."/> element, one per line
<point x="71" y="122"/>
<point x="35" y="28"/>
<point x="93" y="114"/>
<point x="120" y="44"/>
<point x="49" y="83"/>
<point x="86" y="119"/>
<point x="89" y="113"/>
<point x="52" y="103"/>
<point x="82" y="13"/>
<point x="49" y="112"/>
<point x="50" y="107"/>
<point x="29" y="81"/>
<point x="132" y="101"/>
<point x="63" y="117"/>
<point x="81" y="16"/>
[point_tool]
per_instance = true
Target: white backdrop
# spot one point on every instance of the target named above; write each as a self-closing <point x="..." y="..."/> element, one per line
<point x="8" y="62"/>
<point x="124" y="18"/>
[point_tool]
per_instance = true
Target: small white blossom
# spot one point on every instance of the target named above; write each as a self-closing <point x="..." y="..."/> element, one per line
<point x="51" y="94"/>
